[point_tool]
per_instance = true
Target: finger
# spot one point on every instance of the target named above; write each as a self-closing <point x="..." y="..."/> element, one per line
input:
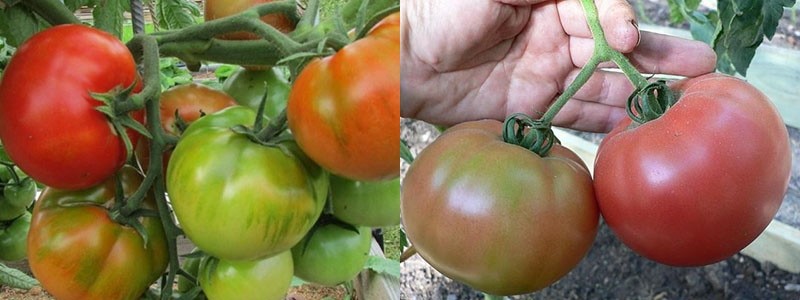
<point x="664" y="54"/>
<point x="589" y="116"/>
<point x="521" y="2"/>
<point x="616" y="18"/>
<point x="657" y="54"/>
<point x="609" y="88"/>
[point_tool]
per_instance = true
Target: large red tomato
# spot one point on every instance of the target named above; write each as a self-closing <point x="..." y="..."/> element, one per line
<point x="48" y="122"/>
<point x="343" y="109"/>
<point x="698" y="184"/>
<point x="496" y="216"/>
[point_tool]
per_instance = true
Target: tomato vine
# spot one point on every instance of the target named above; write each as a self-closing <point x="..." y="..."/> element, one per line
<point x="196" y="44"/>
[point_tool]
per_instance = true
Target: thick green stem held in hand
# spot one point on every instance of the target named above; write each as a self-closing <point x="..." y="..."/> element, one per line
<point x="536" y="135"/>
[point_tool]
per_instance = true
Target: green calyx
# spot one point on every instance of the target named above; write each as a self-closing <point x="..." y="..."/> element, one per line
<point x="650" y="102"/>
<point x="535" y="135"/>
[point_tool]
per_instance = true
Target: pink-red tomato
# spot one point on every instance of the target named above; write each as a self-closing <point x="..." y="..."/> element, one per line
<point x="702" y="181"/>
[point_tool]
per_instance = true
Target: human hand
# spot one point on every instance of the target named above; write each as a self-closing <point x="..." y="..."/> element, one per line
<point x="474" y="59"/>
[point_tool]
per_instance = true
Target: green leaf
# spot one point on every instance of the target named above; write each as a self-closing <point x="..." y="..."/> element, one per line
<point x="680" y="9"/>
<point x="383" y="265"/>
<point x="772" y="11"/>
<point x="18" y="23"/>
<point x="352" y="13"/>
<point x="108" y="15"/>
<point x="224" y="71"/>
<point x="744" y="24"/>
<point x="705" y="27"/>
<point x="15" y="278"/>
<point x="174" y="14"/>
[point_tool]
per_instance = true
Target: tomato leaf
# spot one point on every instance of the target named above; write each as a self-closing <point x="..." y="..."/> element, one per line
<point x="705" y="27"/>
<point x="174" y="14"/>
<point x="16" y="278"/>
<point x="679" y="8"/>
<point x="383" y="265"/>
<point x="108" y="15"/>
<point x="18" y="23"/>
<point x="744" y="24"/>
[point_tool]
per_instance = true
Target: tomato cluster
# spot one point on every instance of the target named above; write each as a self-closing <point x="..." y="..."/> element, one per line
<point x="253" y="204"/>
<point x="689" y="188"/>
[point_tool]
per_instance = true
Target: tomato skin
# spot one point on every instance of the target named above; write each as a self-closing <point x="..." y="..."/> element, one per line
<point x="13" y="238"/>
<point x="221" y="182"/>
<point x="215" y="9"/>
<point x="701" y="182"/>
<point x="48" y="82"/>
<point x="366" y="203"/>
<point x="190" y="101"/>
<point x="265" y="278"/>
<point x="498" y="217"/>
<point x="331" y="255"/>
<point x="343" y="109"/>
<point x="77" y="251"/>
<point x="248" y="88"/>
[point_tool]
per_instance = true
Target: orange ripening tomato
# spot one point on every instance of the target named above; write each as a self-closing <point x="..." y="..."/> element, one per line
<point x="344" y="110"/>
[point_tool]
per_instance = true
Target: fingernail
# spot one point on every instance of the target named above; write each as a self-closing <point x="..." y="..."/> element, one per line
<point x="638" y="32"/>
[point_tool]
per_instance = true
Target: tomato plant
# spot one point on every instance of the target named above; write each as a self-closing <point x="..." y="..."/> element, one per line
<point x="703" y="180"/>
<point x="220" y="182"/>
<point x="186" y="103"/>
<point x="78" y="252"/>
<point x="366" y="203"/>
<point x="343" y="109"/>
<point x="13" y="238"/>
<point x="192" y="266"/>
<point x="332" y="254"/>
<point x="249" y="86"/>
<point x="48" y="122"/>
<point x="264" y="278"/>
<point x="215" y="9"/>
<point x="498" y="217"/>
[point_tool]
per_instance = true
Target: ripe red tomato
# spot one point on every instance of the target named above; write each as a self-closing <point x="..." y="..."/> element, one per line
<point x="77" y="251"/>
<point x="498" y="217"/>
<point x="190" y="101"/>
<point x="343" y="109"/>
<point x="48" y="122"/>
<point x="215" y="9"/>
<point x="701" y="182"/>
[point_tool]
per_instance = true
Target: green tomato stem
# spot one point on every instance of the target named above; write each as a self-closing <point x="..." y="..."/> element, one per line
<point x="150" y="95"/>
<point x="604" y="50"/>
<point x="602" y="53"/>
<point x="52" y="11"/>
